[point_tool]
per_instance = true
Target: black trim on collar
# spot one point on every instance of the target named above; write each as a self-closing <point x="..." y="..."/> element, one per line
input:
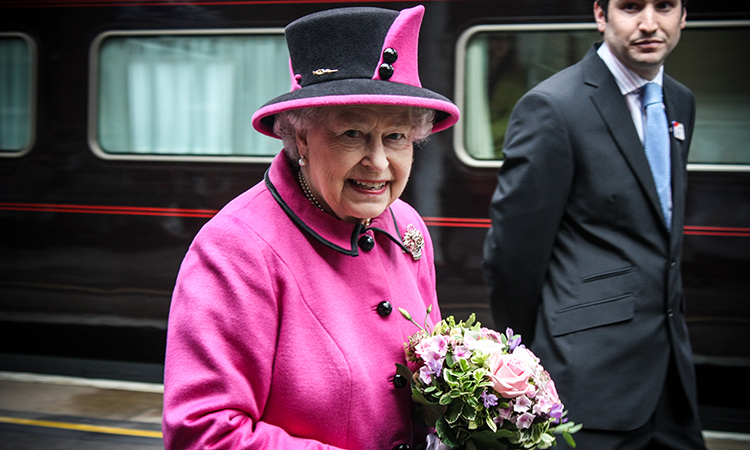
<point x="358" y="228"/>
<point x="304" y="227"/>
<point x="382" y="231"/>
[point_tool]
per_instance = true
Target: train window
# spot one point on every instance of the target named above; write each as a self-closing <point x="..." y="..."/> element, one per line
<point x="16" y="94"/>
<point x="713" y="60"/>
<point x="498" y="64"/>
<point x="185" y="96"/>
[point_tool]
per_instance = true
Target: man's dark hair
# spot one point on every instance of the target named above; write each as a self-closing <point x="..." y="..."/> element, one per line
<point x="605" y="6"/>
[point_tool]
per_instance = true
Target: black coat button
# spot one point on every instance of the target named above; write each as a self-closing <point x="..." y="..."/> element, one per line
<point x="399" y="381"/>
<point x="384" y="309"/>
<point x="390" y="55"/>
<point x="366" y="242"/>
<point x="385" y="71"/>
<point x="401" y="447"/>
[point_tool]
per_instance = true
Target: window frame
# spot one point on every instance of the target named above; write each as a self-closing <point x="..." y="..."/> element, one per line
<point x="460" y="84"/>
<point x="93" y="100"/>
<point x="33" y="88"/>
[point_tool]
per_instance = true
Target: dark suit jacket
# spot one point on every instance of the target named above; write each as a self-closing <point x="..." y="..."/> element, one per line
<point x="579" y="259"/>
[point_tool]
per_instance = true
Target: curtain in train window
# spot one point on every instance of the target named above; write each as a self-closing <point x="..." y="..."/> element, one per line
<point x="15" y="95"/>
<point x="715" y="64"/>
<point x="501" y="66"/>
<point x="188" y="95"/>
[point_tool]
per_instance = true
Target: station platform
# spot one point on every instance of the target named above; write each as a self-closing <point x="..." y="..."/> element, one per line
<point x="61" y="412"/>
<point x="57" y="412"/>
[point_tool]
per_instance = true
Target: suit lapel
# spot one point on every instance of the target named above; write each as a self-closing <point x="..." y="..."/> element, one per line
<point x="615" y="113"/>
<point x="678" y="156"/>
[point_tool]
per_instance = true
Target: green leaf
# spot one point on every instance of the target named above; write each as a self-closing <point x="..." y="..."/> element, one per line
<point x="470" y="413"/>
<point x="404" y="371"/>
<point x="569" y="439"/>
<point x="491" y="424"/>
<point x="418" y="397"/>
<point x="446" y="434"/>
<point x="454" y="412"/>
<point x="488" y="440"/>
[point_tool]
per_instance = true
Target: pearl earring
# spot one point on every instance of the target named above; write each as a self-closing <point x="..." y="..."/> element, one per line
<point x="302" y="161"/>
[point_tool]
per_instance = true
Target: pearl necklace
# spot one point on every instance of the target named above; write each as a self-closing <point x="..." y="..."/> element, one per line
<point x="307" y="191"/>
<point x="313" y="200"/>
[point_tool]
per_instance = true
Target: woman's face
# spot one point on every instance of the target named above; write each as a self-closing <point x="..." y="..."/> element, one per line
<point x="358" y="159"/>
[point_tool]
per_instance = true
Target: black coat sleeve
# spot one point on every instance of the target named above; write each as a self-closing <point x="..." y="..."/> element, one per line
<point x="526" y="210"/>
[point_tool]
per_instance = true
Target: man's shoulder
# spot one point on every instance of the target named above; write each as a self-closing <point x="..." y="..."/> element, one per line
<point x="567" y="77"/>
<point x="572" y="80"/>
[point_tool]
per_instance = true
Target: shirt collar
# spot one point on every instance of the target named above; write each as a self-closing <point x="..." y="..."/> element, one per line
<point x="627" y="80"/>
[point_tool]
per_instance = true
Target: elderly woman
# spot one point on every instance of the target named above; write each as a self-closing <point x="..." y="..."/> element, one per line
<point x="281" y="331"/>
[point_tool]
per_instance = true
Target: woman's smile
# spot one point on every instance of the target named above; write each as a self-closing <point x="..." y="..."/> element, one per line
<point x="370" y="186"/>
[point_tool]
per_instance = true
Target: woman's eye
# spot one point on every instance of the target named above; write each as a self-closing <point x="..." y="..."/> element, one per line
<point x="352" y="133"/>
<point x="396" y="136"/>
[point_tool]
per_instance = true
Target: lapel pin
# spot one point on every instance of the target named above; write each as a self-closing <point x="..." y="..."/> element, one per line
<point x="678" y="130"/>
<point x="320" y="72"/>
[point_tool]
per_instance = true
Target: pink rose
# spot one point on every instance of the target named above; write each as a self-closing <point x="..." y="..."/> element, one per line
<point x="551" y="390"/>
<point x="509" y="375"/>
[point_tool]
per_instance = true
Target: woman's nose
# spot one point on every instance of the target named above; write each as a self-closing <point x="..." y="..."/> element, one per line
<point x="377" y="156"/>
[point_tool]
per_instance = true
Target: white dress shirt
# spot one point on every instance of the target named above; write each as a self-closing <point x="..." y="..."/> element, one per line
<point x="631" y="85"/>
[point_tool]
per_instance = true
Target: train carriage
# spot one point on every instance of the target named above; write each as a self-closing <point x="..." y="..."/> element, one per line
<point x="125" y="125"/>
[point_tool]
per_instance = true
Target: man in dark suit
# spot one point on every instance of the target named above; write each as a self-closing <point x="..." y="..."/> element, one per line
<point x="583" y="257"/>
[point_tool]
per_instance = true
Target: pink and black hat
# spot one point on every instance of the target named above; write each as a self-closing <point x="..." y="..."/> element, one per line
<point x="356" y="56"/>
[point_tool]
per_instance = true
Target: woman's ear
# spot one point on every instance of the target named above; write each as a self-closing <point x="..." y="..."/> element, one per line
<point x="302" y="147"/>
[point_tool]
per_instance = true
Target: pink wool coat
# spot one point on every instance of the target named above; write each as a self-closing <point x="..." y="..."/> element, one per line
<point x="274" y="339"/>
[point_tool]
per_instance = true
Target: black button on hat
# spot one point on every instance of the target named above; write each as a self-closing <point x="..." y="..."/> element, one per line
<point x="366" y="242"/>
<point x="390" y="56"/>
<point x="384" y="309"/>
<point x="385" y="71"/>
<point x="399" y="381"/>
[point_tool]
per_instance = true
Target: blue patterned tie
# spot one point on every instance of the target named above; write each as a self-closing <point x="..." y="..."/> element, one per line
<point x="658" y="148"/>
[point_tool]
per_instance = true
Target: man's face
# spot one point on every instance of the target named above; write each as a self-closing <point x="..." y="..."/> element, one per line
<point x="641" y="33"/>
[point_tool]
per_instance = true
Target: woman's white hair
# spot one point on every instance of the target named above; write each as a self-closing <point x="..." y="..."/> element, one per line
<point x="287" y="123"/>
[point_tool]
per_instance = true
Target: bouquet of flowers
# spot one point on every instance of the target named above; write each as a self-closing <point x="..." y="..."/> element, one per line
<point x="481" y="389"/>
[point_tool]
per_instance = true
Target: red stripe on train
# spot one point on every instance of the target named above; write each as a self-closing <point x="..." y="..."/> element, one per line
<point x="458" y="222"/>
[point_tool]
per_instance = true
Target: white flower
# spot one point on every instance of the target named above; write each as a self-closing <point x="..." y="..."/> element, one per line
<point x="487" y="346"/>
<point x="528" y="358"/>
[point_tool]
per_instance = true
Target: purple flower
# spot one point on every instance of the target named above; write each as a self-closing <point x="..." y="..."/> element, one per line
<point x="436" y="366"/>
<point x="524" y="421"/>
<point x="425" y="375"/>
<point x="556" y="412"/>
<point x="513" y="341"/>
<point x="543" y="405"/>
<point x="461" y="352"/>
<point x="489" y="399"/>
<point x="522" y="404"/>
<point x="434" y="347"/>
<point x="431" y="367"/>
<point x="503" y="414"/>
